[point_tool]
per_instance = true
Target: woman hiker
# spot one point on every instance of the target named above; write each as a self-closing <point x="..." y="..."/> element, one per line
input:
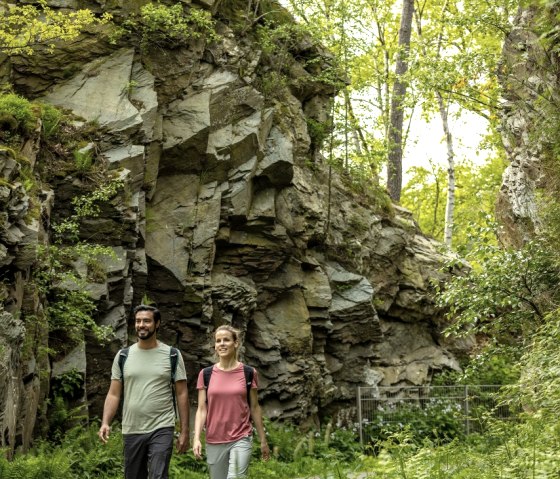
<point x="227" y="402"/>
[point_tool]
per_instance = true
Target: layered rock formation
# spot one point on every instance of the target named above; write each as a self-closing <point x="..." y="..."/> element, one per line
<point x="529" y="77"/>
<point x="228" y="215"/>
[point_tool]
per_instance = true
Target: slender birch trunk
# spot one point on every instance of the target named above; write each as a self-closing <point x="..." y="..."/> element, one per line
<point x="450" y="205"/>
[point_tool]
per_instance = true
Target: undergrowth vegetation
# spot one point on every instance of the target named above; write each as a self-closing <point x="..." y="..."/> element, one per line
<point x="513" y="450"/>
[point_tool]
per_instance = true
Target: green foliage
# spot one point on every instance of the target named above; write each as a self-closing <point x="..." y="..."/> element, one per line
<point x="55" y="465"/>
<point x="272" y="84"/>
<point x="70" y="310"/>
<point x="68" y="383"/>
<point x="476" y="189"/>
<point x="91" y="458"/>
<point x="490" y="363"/>
<point x="169" y="26"/>
<point x="147" y="300"/>
<point x="317" y="130"/>
<point x="85" y="206"/>
<point x="507" y="450"/>
<point x="493" y="364"/>
<point x="78" y="454"/>
<point x="83" y="159"/>
<point x="336" y="444"/>
<point x="357" y="178"/>
<point x="186" y="466"/>
<point x="51" y="118"/>
<point x="281" y="44"/>
<point x="463" y="44"/>
<point x="61" y="417"/>
<point x="436" y="419"/>
<point x="86" y="457"/>
<point x="24" y="28"/>
<point x="276" y="40"/>
<point x="71" y="313"/>
<point x="539" y="386"/>
<point x="96" y="270"/>
<point x="16" y="113"/>
<point x="19" y="117"/>
<point x="505" y="295"/>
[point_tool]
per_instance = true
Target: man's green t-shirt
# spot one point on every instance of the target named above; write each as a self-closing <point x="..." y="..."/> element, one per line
<point x="148" y="401"/>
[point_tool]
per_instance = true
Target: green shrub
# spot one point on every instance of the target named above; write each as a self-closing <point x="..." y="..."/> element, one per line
<point x="505" y="295"/>
<point x="317" y="131"/>
<point x="437" y="419"/>
<point x="57" y="464"/>
<point x="95" y="459"/>
<point x="16" y="113"/>
<point x="168" y="26"/>
<point x="62" y="417"/>
<point x="83" y="159"/>
<point x="51" y="118"/>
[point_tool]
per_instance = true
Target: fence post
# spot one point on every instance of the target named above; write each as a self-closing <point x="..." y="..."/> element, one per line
<point x="467" y="409"/>
<point x="359" y="398"/>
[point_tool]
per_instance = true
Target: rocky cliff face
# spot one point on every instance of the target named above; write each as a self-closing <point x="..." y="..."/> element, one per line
<point x="529" y="77"/>
<point x="228" y="215"/>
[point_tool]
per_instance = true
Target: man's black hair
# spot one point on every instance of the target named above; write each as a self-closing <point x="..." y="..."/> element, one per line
<point x="146" y="307"/>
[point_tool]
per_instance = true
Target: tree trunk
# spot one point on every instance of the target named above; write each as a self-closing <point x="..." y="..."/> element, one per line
<point x="394" y="144"/>
<point x="450" y="205"/>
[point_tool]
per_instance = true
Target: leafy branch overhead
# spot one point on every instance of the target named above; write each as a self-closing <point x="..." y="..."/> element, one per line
<point x="24" y="28"/>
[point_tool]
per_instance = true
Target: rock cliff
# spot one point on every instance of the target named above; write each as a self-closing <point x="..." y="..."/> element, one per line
<point x="529" y="78"/>
<point x="227" y="214"/>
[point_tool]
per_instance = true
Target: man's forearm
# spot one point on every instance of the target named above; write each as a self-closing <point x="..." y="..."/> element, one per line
<point x="183" y="406"/>
<point x="110" y="409"/>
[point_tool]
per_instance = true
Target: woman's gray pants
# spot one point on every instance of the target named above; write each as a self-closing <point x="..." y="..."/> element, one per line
<point x="229" y="460"/>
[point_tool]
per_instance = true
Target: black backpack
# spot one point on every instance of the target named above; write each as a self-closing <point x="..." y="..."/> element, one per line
<point x="247" y="370"/>
<point x="173" y="358"/>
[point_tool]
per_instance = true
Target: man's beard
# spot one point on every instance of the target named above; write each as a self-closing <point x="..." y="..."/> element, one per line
<point x="148" y="336"/>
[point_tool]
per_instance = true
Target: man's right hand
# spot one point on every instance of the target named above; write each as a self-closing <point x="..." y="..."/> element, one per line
<point x="104" y="432"/>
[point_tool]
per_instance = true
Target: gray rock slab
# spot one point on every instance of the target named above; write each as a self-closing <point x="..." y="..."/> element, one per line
<point x="131" y="157"/>
<point x="74" y="360"/>
<point x="100" y="92"/>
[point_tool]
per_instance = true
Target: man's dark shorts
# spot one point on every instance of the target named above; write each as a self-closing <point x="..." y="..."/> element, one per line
<point x="147" y="456"/>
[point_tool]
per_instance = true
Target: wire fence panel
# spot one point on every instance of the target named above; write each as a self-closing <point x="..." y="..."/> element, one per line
<point x="448" y="411"/>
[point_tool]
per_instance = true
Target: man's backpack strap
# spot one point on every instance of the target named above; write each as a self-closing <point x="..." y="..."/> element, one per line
<point x="173" y="358"/>
<point x="248" y="371"/>
<point x="123" y="354"/>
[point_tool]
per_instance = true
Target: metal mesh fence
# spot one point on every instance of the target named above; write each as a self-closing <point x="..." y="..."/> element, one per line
<point x="445" y="410"/>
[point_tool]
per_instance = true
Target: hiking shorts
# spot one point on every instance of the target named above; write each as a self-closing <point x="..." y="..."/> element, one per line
<point x="147" y="456"/>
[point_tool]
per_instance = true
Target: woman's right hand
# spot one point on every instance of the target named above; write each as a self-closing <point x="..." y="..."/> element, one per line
<point x="197" y="448"/>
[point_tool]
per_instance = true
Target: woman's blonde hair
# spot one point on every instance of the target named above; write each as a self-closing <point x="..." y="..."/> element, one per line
<point x="226" y="327"/>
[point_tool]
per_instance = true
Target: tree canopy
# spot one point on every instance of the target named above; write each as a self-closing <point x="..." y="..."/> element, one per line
<point x="452" y="58"/>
